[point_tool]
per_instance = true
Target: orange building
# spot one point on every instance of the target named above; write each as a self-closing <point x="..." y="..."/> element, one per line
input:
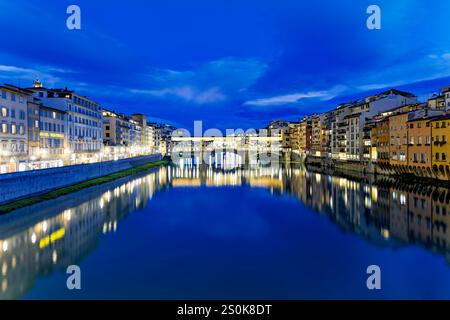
<point x="380" y="140"/>
<point x="419" y="149"/>
<point x="398" y="131"/>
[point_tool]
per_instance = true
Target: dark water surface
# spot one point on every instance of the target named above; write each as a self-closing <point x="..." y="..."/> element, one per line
<point x="202" y="233"/>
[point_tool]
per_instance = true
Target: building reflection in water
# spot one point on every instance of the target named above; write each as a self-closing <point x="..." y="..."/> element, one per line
<point x="50" y="236"/>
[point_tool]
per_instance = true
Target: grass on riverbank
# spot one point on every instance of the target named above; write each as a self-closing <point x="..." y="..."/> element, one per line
<point x="77" y="187"/>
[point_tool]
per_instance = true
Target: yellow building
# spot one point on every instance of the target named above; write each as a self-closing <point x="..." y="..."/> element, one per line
<point x="440" y="130"/>
<point x="301" y="137"/>
<point x="318" y="136"/>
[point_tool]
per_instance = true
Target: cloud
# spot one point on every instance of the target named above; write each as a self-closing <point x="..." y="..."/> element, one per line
<point x="296" y="97"/>
<point x="424" y="68"/>
<point x="187" y="94"/>
<point x="14" y="69"/>
<point x="212" y="82"/>
<point x="10" y="73"/>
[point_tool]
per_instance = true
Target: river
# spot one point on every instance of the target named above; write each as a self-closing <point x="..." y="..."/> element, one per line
<point x="254" y="233"/>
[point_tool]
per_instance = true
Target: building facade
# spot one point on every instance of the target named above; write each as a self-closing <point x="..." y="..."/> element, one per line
<point x="13" y="128"/>
<point x="398" y="131"/>
<point x="52" y="137"/>
<point x="33" y="129"/>
<point x="440" y="130"/>
<point x="84" y="121"/>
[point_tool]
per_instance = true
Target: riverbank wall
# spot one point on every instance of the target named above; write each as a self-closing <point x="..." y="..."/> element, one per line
<point x="356" y="168"/>
<point x="19" y="185"/>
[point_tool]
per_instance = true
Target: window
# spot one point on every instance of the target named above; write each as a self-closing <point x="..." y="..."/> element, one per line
<point x="13" y="128"/>
<point x="411" y="140"/>
<point x="4" y="127"/>
<point x="4" y="95"/>
<point x="419" y="140"/>
<point x="419" y="125"/>
<point x="13" y="113"/>
<point x="428" y="140"/>
<point x="402" y="156"/>
<point x="437" y="156"/>
<point x="423" y="157"/>
<point x="444" y="157"/>
<point x="5" y="112"/>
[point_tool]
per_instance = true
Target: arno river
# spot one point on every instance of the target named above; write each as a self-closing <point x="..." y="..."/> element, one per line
<point x="257" y="233"/>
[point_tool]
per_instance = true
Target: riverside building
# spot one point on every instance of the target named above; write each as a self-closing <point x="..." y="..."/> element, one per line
<point x="147" y="134"/>
<point x="84" y="121"/>
<point x="360" y="112"/>
<point x="13" y="128"/>
<point x="52" y="137"/>
<point x="440" y="130"/>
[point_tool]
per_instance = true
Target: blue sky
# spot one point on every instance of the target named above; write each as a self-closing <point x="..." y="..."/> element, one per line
<point x="230" y="63"/>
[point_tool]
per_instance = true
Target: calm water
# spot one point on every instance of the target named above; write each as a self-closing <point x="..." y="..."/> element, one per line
<point x="206" y="234"/>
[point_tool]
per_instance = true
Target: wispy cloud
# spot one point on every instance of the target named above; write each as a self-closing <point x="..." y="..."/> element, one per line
<point x="212" y="82"/>
<point x="48" y="74"/>
<point x="14" y="69"/>
<point x="187" y="94"/>
<point x="293" y="98"/>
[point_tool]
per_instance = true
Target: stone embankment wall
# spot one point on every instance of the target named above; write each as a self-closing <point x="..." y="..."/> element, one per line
<point x="20" y="185"/>
<point x="385" y="169"/>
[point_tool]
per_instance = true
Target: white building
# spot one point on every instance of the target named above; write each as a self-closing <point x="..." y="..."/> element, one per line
<point x="360" y="111"/>
<point x="13" y="128"/>
<point x="84" y="121"/>
<point x="446" y="93"/>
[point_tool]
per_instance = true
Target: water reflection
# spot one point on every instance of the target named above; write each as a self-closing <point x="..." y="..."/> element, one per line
<point x="48" y="237"/>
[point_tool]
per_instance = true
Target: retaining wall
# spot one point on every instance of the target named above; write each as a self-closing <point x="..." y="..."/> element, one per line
<point x="14" y="186"/>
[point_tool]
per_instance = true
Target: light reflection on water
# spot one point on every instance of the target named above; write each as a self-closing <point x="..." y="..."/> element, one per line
<point x="48" y="237"/>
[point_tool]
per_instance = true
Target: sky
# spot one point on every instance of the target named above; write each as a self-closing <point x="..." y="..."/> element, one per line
<point x="229" y="63"/>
